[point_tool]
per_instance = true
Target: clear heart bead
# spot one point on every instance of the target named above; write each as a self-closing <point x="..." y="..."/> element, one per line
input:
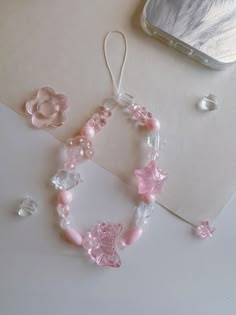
<point x="27" y="207"/>
<point x="208" y="103"/>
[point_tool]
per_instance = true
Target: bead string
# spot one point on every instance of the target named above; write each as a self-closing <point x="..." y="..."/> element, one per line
<point x="104" y="240"/>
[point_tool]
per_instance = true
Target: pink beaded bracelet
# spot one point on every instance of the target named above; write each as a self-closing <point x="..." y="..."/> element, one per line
<point x="104" y="240"/>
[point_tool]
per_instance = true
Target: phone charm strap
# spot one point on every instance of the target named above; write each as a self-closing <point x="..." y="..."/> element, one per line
<point x="104" y="240"/>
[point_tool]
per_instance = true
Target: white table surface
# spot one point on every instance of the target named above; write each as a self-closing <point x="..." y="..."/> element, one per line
<point x="168" y="272"/>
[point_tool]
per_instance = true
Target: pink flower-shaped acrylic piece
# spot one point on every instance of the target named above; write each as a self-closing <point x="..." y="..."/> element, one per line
<point x="102" y="243"/>
<point x="204" y="230"/>
<point x="47" y="109"/>
<point x="150" y="179"/>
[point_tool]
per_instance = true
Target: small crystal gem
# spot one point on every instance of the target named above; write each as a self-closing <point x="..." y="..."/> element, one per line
<point x="208" y="103"/>
<point x="65" y="180"/>
<point x="27" y="207"/>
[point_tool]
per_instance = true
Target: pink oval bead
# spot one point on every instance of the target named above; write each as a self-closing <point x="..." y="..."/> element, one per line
<point x="65" y="197"/>
<point x="87" y="132"/>
<point x="153" y="124"/>
<point x="148" y="198"/>
<point x="132" y="235"/>
<point x="73" y="236"/>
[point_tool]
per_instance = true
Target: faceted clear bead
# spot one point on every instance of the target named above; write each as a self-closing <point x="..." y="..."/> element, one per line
<point x="208" y="103"/>
<point x="66" y="179"/>
<point x="63" y="210"/>
<point x="142" y="214"/>
<point x="27" y="207"/>
<point x="65" y="223"/>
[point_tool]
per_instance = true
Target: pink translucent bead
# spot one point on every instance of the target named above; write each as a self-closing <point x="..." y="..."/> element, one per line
<point x="150" y="179"/>
<point x="65" y="197"/>
<point x="105" y="111"/>
<point x="77" y="149"/>
<point x="69" y="165"/>
<point x="102" y="243"/>
<point x="87" y="132"/>
<point x="103" y="122"/>
<point x="132" y="235"/>
<point x="148" y="198"/>
<point x="73" y="236"/>
<point x="153" y="124"/>
<point x="204" y="230"/>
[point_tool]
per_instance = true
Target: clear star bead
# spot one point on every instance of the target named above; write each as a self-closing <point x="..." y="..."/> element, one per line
<point x="65" y="180"/>
<point x="142" y="214"/>
<point x="27" y="207"/>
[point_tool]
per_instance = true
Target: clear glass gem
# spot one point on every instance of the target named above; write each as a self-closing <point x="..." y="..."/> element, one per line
<point x="208" y="103"/>
<point x="65" y="223"/>
<point x="66" y="179"/>
<point x="27" y="207"/>
<point x="142" y="214"/>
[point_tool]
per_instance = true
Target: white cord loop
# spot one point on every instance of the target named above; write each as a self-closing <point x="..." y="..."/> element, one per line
<point x="116" y="84"/>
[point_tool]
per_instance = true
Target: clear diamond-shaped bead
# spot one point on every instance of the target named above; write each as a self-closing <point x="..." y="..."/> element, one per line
<point x="142" y="214"/>
<point x="66" y="179"/>
<point x="27" y="207"/>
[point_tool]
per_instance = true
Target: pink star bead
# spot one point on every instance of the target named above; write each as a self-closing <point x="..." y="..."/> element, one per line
<point x="150" y="179"/>
<point x="102" y="243"/>
<point x="204" y="230"/>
